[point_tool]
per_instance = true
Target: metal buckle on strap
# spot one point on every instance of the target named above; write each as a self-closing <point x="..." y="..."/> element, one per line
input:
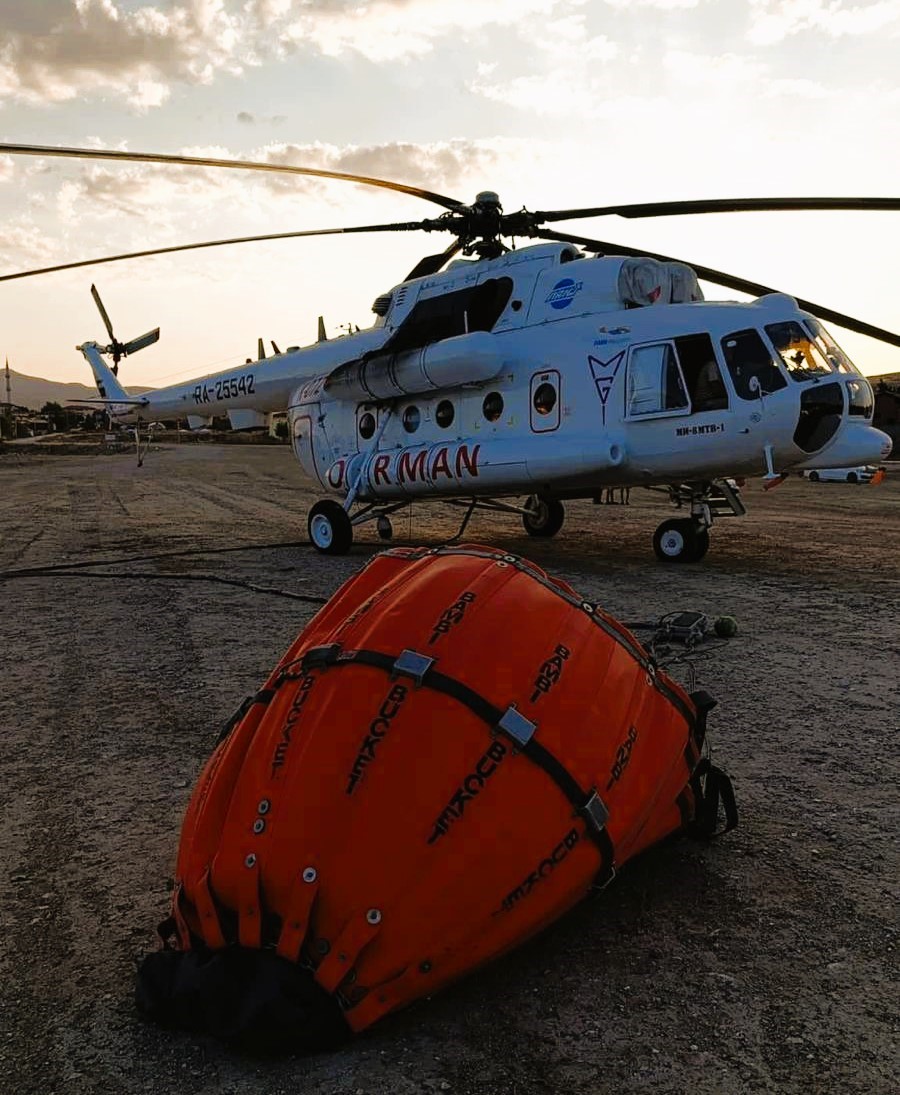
<point x="319" y="657"/>
<point x="595" y="812"/>
<point x="603" y="880"/>
<point x="517" y="727"/>
<point x="411" y="664"/>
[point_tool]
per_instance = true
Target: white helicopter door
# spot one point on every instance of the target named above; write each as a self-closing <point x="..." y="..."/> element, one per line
<point x="670" y="421"/>
<point x="545" y="401"/>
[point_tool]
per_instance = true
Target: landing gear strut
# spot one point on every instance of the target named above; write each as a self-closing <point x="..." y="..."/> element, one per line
<point x="686" y="539"/>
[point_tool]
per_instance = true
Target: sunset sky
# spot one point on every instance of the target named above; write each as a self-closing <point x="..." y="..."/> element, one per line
<point x="552" y="103"/>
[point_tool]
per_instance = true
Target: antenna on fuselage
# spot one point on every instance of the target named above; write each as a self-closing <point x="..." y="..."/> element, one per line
<point x="322" y="337"/>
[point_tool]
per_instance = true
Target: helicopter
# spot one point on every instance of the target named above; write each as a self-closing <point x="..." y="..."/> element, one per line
<point x="548" y="372"/>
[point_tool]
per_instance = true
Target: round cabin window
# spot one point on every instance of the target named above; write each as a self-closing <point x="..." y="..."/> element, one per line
<point x="444" y="414"/>
<point x="366" y="425"/>
<point x="411" y="419"/>
<point x="544" y="398"/>
<point x="492" y="406"/>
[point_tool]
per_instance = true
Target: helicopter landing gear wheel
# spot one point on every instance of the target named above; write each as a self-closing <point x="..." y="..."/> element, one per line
<point x="543" y="516"/>
<point x="385" y="528"/>
<point x="681" y="540"/>
<point x="330" y="531"/>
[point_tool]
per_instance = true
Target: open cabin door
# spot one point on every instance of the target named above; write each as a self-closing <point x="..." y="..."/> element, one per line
<point x="676" y="402"/>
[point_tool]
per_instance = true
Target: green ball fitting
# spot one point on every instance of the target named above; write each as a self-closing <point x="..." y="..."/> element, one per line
<point x="725" y="627"/>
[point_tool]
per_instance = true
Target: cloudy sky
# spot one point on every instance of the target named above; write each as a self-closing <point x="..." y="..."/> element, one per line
<point x="552" y="103"/>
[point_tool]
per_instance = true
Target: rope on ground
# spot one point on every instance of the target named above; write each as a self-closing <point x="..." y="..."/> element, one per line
<point x="152" y="577"/>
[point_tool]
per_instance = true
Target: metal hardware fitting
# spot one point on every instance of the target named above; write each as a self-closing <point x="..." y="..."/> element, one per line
<point x="516" y="726"/>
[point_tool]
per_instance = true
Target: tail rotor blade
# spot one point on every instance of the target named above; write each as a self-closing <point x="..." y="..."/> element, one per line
<point x="141" y="341"/>
<point x="103" y="314"/>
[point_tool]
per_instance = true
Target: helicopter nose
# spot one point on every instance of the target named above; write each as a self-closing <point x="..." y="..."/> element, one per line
<point x="833" y="433"/>
<point x="856" y="443"/>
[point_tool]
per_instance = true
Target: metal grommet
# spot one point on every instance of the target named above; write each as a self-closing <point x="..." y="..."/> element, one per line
<point x="510" y="558"/>
<point x="588" y="607"/>
<point x="310" y="874"/>
<point x="250" y="861"/>
<point x="264" y="806"/>
<point x="501" y="564"/>
<point x="259" y="825"/>
<point x="322" y="946"/>
<point x="373" y="916"/>
<point x="425" y="967"/>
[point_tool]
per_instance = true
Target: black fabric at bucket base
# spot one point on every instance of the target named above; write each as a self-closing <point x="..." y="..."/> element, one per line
<point x="252" y="999"/>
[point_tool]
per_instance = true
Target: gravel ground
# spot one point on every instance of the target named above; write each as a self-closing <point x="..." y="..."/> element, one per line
<point x="764" y="962"/>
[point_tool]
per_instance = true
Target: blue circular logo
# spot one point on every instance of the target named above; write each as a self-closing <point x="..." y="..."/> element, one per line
<point x="563" y="293"/>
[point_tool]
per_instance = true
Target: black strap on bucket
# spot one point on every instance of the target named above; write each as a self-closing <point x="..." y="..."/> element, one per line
<point x="712" y="787"/>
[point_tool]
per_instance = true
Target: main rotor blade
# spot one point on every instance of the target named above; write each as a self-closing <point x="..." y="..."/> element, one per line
<point x="410" y="226"/>
<point x="717" y="277"/>
<point x="719" y="205"/>
<point x="240" y="165"/>
<point x="106" y="320"/>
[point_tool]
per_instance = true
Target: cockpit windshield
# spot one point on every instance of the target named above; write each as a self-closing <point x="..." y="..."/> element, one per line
<point x="830" y="348"/>
<point x="802" y="355"/>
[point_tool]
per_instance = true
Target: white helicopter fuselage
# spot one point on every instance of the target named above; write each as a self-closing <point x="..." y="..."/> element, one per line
<point x="548" y="374"/>
<point x="560" y="397"/>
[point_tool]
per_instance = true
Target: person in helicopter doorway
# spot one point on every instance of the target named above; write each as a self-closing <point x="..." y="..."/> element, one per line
<point x="709" y="390"/>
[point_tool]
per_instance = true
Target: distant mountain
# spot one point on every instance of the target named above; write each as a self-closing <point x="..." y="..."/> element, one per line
<point x="34" y="391"/>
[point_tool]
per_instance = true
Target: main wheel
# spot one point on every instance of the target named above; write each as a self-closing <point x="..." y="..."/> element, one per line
<point x="852" y="477"/>
<point x="543" y="517"/>
<point x="330" y="531"/>
<point x="680" y="540"/>
<point x="813" y="477"/>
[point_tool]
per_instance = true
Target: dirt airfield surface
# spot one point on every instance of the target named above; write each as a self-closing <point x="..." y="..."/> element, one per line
<point x="763" y="962"/>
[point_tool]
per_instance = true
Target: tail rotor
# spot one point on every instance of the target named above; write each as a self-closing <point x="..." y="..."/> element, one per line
<point x="116" y="348"/>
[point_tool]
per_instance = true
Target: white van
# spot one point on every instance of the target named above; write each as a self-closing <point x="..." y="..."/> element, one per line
<point x="861" y="474"/>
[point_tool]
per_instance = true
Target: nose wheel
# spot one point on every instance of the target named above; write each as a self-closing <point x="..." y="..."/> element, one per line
<point x="681" y="540"/>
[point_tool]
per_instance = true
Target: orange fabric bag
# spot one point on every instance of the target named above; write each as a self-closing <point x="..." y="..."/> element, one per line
<point x="453" y="752"/>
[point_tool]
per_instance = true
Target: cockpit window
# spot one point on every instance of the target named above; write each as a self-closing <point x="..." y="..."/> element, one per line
<point x="750" y="364"/>
<point x="862" y="399"/>
<point x="835" y="355"/>
<point x="802" y="357"/>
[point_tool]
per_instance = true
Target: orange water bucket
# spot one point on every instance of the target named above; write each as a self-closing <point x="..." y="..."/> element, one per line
<point x="454" y="751"/>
